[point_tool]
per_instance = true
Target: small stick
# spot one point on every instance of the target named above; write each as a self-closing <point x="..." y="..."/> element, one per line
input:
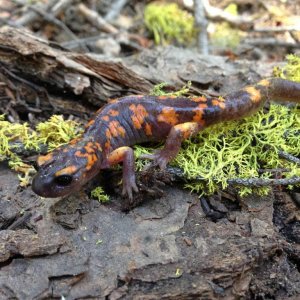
<point x="201" y="25"/>
<point x="94" y="18"/>
<point x="260" y="182"/>
<point x="115" y="10"/>
<point x="289" y="157"/>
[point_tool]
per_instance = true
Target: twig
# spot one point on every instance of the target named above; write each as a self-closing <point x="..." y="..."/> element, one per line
<point x="250" y="182"/>
<point x="271" y="42"/>
<point x="32" y="16"/>
<point x="276" y="170"/>
<point x="60" y="6"/>
<point x="74" y="43"/>
<point x="289" y="157"/>
<point x="217" y="14"/>
<point x="50" y="18"/>
<point x="115" y="10"/>
<point x="201" y="25"/>
<point x="20" y="221"/>
<point x="277" y="29"/>
<point x="96" y="19"/>
<point x="260" y="182"/>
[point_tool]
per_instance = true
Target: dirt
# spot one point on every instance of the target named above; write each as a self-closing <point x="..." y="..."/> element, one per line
<point x="165" y="248"/>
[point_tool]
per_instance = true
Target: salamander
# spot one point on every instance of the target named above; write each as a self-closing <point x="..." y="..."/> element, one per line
<point x="136" y="119"/>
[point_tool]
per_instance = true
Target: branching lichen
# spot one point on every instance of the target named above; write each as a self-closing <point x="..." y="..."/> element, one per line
<point x="239" y="149"/>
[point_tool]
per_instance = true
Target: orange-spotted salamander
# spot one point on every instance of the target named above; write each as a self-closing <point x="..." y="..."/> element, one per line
<point x="130" y="120"/>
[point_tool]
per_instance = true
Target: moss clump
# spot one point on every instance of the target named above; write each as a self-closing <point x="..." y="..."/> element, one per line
<point x="291" y="70"/>
<point x="56" y="131"/>
<point x="224" y="36"/>
<point x="158" y="90"/>
<point x="169" y="23"/>
<point x="13" y="136"/>
<point x="99" y="194"/>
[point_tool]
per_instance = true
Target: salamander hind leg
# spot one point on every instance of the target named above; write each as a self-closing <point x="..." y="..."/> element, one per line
<point x="125" y="155"/>
<point x="177" y="134"/>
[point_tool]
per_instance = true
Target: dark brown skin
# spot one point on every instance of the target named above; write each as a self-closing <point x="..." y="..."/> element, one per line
<point x="136" y="119"/>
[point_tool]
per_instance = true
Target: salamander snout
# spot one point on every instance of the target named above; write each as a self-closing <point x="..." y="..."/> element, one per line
<point x="53" y="187"/>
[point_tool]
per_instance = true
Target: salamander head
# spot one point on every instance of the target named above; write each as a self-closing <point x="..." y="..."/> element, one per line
<point x="66" y="169"/>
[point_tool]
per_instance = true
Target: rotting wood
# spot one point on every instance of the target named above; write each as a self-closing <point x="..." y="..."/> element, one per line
<point x="72" y="76"/>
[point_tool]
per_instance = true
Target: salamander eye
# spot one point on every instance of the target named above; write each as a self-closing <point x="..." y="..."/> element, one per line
<point x="64" y="180"/>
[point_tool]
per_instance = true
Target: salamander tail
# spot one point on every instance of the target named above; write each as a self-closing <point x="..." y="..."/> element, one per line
<point x="282" y="90"/>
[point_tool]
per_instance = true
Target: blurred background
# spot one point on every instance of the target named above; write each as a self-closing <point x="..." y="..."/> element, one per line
<point x="241" y="28"/>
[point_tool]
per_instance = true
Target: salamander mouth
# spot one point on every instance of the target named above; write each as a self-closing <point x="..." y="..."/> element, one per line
<point x="48" y="190"/>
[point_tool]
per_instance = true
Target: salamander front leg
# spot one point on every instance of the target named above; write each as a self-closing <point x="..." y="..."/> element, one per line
<point x="125" y="155"/>
<point x="177" y="134"/>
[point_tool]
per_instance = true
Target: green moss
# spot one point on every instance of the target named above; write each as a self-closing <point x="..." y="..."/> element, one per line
<point x="158" y="90"/>
<point x="53" y="132"/>
<point x="99" y="194"/>
<point x="168" y="23"/>
<point x="224" y="36"/>
<point x="56" y="131"/>
<point x="291" y="70"/>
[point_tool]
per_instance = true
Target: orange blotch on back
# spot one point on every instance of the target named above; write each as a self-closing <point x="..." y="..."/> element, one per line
<point x="98" y="146"/>
<point x="90" y="155"/>
<point x="80" y="154"/>
<point x="113" y="112"/>
<point x="108" y="134"/>
<point x="199" y="112"/>
<point x="105" y="118"/>
<point x="165" y="97"/>
<point x="91" y="160"/>
<point x="168" y="115"/>
<point x="90" y="123"/>
<point x="162" y="97"/>
<point x="116" y="129"/>
<point x="254" y="93"/>
<point x="43" y="159"/>
<point x="107" y="145"/>
<point x="66" y="171"/>
<point x="199" y="99"/>
<point x="202" y="106"/>
<point x="216" y="102"/>
<point x="139" y="115"/>
<point x="89" y="147"/>
<point x="148" y="129"/>
<point x="74" y="141"/>
<point x="264" y="82"/>
<point x="113" y="100"/>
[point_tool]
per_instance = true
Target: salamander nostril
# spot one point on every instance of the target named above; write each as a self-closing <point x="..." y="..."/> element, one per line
<point x="64" y="180"/>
